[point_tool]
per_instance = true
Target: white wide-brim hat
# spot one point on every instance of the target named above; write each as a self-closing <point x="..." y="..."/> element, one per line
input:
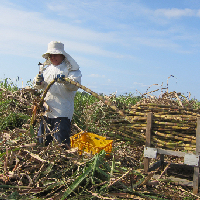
<point x="55" y="47"/>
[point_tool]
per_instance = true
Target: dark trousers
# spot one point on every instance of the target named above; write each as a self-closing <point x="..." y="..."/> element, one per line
<point x="61" y="128"/>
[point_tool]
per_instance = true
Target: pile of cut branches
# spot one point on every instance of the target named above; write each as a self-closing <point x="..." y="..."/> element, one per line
<point x="31" y="171"/>
<point x="15" y="105"/>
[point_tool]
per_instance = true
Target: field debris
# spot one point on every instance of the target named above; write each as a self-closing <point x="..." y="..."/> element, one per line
<point x="29" y="170"/>
<point x="34" y="171"/>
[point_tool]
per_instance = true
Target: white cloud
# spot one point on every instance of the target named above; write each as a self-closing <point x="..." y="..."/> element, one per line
<point x="175" y="12"/>
<point x="31" y="28"/>
<point x="125" y="25"/>
<point x="198" y="13"/>
<point x="21" y="29"/>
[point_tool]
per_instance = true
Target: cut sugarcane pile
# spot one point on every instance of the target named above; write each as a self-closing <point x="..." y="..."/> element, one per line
<point x="173" y="125"/>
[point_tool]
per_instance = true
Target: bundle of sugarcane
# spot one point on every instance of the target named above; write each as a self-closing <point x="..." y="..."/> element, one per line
<point x="177" y="136"/>
<point x="172" y="127"/>
<point x="167" y="116"/>
<point x="158" y="138"/>
<point x="164" y="109"/>
<point x="171" y="120"/>
<point x="174" y="146"/>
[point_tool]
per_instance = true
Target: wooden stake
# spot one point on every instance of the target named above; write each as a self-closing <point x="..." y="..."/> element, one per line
<point x="196" y="169"/>
<point x="148" y="140"/>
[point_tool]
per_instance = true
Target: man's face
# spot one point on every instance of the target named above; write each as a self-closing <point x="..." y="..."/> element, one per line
<point x="56" y="59"/>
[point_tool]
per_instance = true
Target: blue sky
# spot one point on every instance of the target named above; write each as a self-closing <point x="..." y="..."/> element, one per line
<point x="120" y="45"/>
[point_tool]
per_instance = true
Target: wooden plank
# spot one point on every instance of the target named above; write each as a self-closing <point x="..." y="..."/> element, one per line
<point x="196" y="180"/>
<point x="198" y="137"/>
<point x="171" y="152"/>
<point x="148" y="129"/>
<point x="179" y="181"/>
<point x="196" y="169"/>
<point x="148" y="139"/>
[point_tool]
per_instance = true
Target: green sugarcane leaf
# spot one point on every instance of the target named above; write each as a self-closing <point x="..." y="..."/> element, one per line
<point x="76" y="183"/>
<point x="32" y="132"/>
<point x="102" y="172"/>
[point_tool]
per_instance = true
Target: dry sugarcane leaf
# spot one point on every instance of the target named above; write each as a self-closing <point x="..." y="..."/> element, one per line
<point x="35" y="156"/>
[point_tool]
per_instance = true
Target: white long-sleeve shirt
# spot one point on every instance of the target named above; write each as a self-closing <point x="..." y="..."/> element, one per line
<point x="60" y="97"/>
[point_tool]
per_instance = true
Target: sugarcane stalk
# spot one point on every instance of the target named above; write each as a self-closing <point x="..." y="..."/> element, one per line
<point x="137" y="118"/>
<point x="192" y="148"/>
<point x="166" y="106"/>
<point x="105" y="101"/>
<point x="133" y="127"/>
<point x="185" y="133"/>
<point x="174" y="134"/>
<point x="137" y="113"/>
<point x="172" y="137"/>
<point x="171" y="127"/>
<point x="45" y="92"/>
<point x="176" y="117"/>
<point x="166" y="143"/>
<point x="172" y="144"/>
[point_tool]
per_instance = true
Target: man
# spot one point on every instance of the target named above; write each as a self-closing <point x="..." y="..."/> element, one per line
<point x="60" y="97"/>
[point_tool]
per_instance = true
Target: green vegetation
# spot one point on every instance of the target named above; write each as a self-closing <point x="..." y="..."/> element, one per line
<point x="8" y="85"/>
<point x="88" y="109"/>
<point x="93" y="115"/>
<point x="11" y="115"/>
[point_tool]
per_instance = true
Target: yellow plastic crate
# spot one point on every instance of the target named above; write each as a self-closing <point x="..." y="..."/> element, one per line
<point x="91" y="143"/>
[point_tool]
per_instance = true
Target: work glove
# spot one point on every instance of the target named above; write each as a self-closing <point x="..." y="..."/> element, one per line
<point x="39" y="79"/>
<point x="60" y="79"/>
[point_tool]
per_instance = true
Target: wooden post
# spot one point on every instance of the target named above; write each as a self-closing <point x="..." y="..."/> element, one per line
<point x="162" y="161"/>
<point x="196" y="169"/>
<point x="148" y="140"/>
